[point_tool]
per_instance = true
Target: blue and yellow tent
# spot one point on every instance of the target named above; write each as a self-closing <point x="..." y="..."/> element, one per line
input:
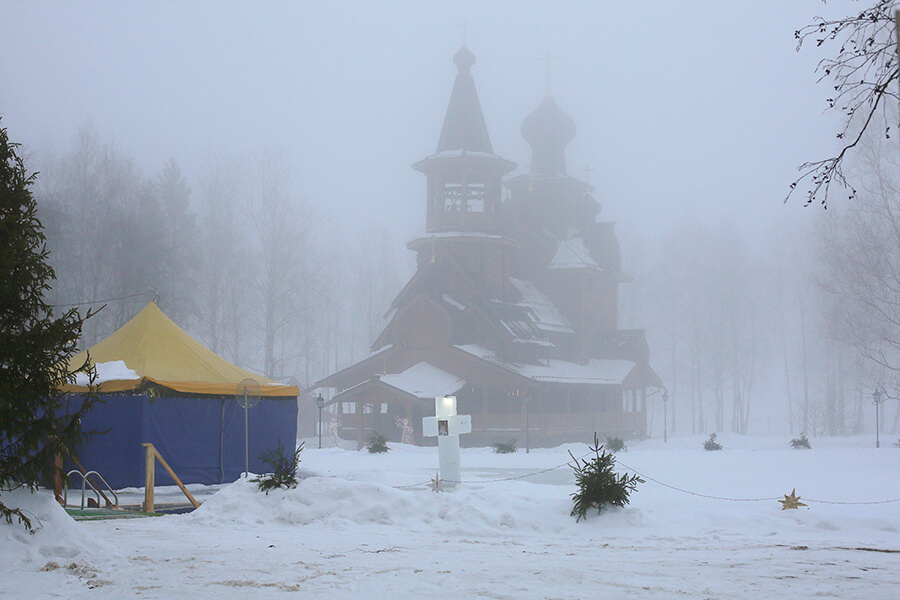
<point x="183" y="402"/>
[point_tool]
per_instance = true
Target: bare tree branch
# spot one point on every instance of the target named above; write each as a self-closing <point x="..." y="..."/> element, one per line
<point x="863" y="72"/>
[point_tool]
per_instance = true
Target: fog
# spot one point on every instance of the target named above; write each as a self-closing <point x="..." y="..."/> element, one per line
<point x="684" y="109"/>
<point x="691" y="116"/>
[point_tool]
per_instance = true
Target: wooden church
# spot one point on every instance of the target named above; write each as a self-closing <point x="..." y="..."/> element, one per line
<point x="513" y="307"/>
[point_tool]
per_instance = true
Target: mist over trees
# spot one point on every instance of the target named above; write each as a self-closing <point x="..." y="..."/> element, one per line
<point x="746" y="335"/>
<point x="859" y="269"/>
<point x="242" y="263"/>
<point x="788" y="335"/>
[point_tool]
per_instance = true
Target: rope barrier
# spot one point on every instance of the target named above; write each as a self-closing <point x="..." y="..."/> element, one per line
<point x="672" y="487"/>
<point x="430" y="481"/>
<point x="654" y="480"/>
<point x="851" y="503"/>
<point x="565" y="464"/>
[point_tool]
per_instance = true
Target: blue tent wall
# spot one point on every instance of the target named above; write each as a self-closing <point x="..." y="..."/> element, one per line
<point x="202" y="439"/>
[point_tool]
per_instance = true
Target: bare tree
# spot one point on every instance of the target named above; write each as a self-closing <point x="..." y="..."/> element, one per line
<point x="225" y="278"/>
<point x="180" y="240"/>
<point x="864" y="73"/>
<point x="860" y="248"/>
<point x="287" y="269"/>
<point x="106" y="229"/>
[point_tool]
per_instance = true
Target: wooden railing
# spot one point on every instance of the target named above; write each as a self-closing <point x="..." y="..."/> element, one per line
<point x="627" y="423"/>
<point x="560" y="422"/>
<point x="151" y="456"/>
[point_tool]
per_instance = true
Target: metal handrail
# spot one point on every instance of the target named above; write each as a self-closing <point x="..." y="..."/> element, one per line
<point x="85" y="482"/>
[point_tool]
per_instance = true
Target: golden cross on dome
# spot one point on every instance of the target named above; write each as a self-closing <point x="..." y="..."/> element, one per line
<point x="548" y="57"/>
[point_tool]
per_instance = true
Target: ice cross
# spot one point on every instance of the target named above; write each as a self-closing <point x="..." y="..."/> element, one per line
<point x="447" y="426"/>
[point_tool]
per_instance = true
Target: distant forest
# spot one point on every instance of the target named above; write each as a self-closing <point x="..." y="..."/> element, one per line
<point x="237" y="259"/>
<point x="751" y="336"/>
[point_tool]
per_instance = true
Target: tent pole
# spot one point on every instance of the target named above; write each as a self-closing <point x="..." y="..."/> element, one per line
<point x="246" y="438"/>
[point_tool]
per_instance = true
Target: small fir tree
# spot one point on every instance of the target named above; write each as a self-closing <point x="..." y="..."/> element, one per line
<point x="377" y="444"/>
<point x="505" y="447"/>
<point x="36" y="421"/>
<point x="615" y="444"/>
<point x="598" y="484"/>
<point x="711" y="443"/>
<point x="284" y="468"/>
<point x="801" y="443"/>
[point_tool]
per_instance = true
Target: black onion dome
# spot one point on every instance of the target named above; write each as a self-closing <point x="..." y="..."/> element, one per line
<point x="548" y="129"/>
<point x="464" y="59"/>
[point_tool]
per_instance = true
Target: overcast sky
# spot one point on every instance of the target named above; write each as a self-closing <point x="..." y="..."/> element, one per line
<point x="685" y="110"/>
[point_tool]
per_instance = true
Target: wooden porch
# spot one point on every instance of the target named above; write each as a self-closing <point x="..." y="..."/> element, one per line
<point x="543" y="429"/>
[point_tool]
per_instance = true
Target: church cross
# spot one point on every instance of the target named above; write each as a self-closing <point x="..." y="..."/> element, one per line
<point x="587" y="174"/>
<point x="464" y="24"/>
<point x="548" y="57"/>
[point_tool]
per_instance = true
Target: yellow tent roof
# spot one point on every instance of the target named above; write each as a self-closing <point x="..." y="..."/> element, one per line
<point x="160" y="351"/>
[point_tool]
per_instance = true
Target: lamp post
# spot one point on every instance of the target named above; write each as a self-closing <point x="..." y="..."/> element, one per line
<point x="320" y="403"/>
<point x="527" y="401"/>
<point x="665" y="416"/>
<point x="877" y="399"/>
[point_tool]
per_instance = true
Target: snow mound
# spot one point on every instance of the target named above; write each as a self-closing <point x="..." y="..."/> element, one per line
<point x="343" y="504"/>
<point x="56" y="537"/>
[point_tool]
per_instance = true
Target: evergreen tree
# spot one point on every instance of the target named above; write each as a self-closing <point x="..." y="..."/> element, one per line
<point x="598" y="484"/>
<point x="377" y="444"/>
<point x="35" y="423"/>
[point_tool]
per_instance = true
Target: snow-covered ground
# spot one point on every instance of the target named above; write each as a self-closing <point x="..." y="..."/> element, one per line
<point x="353" y="530"/>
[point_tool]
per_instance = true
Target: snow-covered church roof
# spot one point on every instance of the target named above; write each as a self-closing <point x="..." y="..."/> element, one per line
<point x="595" y="372"/>
<point x="544" y="314"/>
<point x="572" y="254"/>
<point x="424" y="380"/>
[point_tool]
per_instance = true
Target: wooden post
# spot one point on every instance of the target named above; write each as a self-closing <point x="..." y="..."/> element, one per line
<point x="57" y="477"/>
<point x="149" y="481"/>
<point x="149" y="477"/>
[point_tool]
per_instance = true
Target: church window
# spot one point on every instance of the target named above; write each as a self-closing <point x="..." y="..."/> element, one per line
<point x="475" y="197"/>
<point x="452" y="197"/>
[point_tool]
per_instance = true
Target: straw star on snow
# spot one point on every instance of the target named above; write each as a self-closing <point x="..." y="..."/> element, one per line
<point x="437" y="485"/>
<point x="792" y="501"/>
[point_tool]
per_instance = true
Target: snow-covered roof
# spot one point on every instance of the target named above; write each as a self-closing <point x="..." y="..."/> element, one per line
<point x="522" y="331"/>
<point x="595" y="372"/>
<point x="449" y="300"/>
<point x="545" y="314"/>
<point x="572" y="254"/>
<point x="424" y="380"/>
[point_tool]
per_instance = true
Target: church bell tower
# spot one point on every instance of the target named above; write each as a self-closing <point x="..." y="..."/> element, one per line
<point x="464" y="175"/>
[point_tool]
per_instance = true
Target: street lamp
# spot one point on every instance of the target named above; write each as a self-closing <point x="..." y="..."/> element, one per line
<point x="665" y="417"/>
<point x="877" y="399"/>
<point x="527" y="401"/>
<point x="320" y="403"/>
